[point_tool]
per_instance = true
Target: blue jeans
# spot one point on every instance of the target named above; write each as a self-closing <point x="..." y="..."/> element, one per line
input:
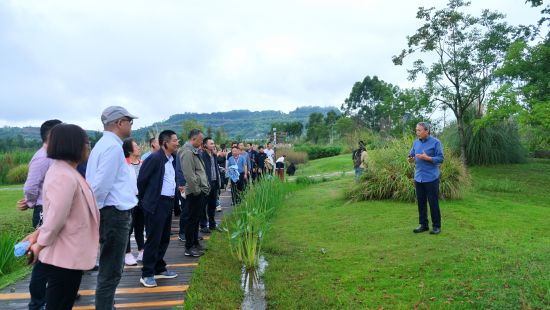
<point x="114" y="227"/>
<point x="358" y="172"/>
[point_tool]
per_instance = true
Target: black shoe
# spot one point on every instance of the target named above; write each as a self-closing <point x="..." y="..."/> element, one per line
<point x="420" y="229"/>
<point x="435" y="231"/>
<point x="205" y="230"/>
<point x="181" y="237"/>
<point x="77" y="297"/>
<point x="192" y="252"/>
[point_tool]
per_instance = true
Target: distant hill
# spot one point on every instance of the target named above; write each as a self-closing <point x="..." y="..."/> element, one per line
<point x="238" y="123"/>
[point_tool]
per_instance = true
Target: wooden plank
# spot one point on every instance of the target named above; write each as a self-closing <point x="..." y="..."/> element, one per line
<point x="152" y="304"/>
<point x="119" y="291"/>
<point x="167" y="266"/>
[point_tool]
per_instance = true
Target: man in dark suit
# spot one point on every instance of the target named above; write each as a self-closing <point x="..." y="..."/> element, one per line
<point x="157" y="188"/>
<point x="214" y="179"/>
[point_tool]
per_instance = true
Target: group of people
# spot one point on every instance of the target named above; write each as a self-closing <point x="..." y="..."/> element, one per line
<point x="88" y="200"/>
<point x="85" y="200"/>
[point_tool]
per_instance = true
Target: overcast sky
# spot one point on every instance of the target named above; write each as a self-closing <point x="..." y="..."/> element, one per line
<point x="71" y="59"/>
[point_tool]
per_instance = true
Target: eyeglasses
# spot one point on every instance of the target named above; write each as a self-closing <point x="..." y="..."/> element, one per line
<point x="129" y="120"/>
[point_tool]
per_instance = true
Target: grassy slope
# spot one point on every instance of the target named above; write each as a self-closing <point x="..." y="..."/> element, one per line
<point x="334" y="164"/>
<point x="493" y="252"/>
<point x="15" y="222"/>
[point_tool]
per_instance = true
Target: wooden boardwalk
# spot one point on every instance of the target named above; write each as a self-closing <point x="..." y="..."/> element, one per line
<point x="130" y="293"/>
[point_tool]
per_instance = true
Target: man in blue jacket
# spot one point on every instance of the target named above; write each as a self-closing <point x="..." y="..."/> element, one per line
<point x="157" y="188"/>
<point x="428" y="155"/>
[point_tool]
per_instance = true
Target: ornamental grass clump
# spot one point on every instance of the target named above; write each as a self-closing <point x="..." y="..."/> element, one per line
<point x="390" y="176"/>
<point x="250" y="219"/>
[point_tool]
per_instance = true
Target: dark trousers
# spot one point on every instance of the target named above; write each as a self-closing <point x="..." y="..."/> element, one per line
<point x="236" y="189"/>
<point x="158" y="226"/>
<point x="37" y="286"/>
<point x="36" y="216"/>
<point x="208" y="217"/>
<point x="114" y="226"/>
<point x="428" y="192"/>
<point x="137" y="226"/>
<point x="184" y="215"/>
<point x="195" y="204"/>
<point x="63" y="285"/>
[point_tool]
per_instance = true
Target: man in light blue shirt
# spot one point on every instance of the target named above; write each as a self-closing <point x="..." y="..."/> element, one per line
<point x="428" y="155"/>
<point x="110" y="178"/>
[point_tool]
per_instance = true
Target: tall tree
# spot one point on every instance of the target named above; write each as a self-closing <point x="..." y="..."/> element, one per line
<point x="316" y="128"/>
<point x="467" y="51"/>
<point x="191" y="124"/>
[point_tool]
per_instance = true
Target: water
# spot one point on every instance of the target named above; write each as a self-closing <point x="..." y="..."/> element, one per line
<point x="254" y="288"/>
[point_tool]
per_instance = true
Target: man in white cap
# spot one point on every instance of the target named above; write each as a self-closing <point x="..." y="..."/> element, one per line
<point x="110" y="178"/>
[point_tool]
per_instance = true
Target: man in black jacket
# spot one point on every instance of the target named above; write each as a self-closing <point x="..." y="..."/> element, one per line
<point x="214" y="179"/>
<point x="157" y="187"/>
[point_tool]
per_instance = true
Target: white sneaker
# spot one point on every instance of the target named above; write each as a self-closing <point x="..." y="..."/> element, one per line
<point x="129" y="260"/>
<point x="219" y="208"/>
<point x="140" y="256"/>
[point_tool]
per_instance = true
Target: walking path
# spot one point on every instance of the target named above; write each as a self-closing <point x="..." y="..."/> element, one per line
<point x="130" y="293"/>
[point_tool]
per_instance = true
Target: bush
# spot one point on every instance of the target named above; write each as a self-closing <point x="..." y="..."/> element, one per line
<point x="18" y="174"/>
<point x="12" y="159"/>
<point x="293" y="156"/>
<point x="488" y="144"/>
<point x="8" y="261"/>
<point x="318" y="151"/>
<point x="390" y="176"/>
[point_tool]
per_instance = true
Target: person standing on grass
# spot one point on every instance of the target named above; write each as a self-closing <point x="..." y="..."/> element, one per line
<point x="209" y="159"/>
<point x="154" y="146"/>
<point x="32" y="190"/>
<point x="280" y="167"/>
<point x="131" y="152"/>
<point x="66" y="243"/>
<point x="157" y="190"/>
<point x="427" y="152"/>
<point x="110" y="178"/>
<point x="359" y="158"/>
<point x="197" y="189"/>
<point x="246" y="157"/>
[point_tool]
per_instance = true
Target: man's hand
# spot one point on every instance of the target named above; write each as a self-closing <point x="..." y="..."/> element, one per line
<point x="22" y="205"/>
<point x="423" y="156"/>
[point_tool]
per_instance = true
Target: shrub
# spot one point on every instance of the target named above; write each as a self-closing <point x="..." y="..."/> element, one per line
<point x="18" y="174"/>
<point x="293" y="156"/>
<point x="319" y="151"/>
<point x="10" y="160"/>
<point x="8" y="261"/>
<point x="390" y="176"/>
<point x="488" y="144"/>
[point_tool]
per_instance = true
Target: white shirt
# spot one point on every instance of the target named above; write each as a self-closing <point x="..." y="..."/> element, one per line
<point x="110" y="177"/>
<point x="169" y="179"/>
<point x="280" y="160"/>
<point x="270" y="153"/>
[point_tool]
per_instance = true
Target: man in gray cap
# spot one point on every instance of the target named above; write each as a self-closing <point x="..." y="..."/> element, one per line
<point x="110" y="178"/>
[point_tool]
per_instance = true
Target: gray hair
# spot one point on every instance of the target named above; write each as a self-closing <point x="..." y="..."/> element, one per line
<point x="194" y="132"/>
<point x="426" y="126"/>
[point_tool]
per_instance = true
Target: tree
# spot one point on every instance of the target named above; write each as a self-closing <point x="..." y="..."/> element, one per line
<point x="191" y="124"/>
<point x="220" y="136"/>
<point x="468" y="50"/>
<point x="209" y="131"/>
<point x="316" y="128"/>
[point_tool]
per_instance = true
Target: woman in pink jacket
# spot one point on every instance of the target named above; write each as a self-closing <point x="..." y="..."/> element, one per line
<point x="66" y="244"/>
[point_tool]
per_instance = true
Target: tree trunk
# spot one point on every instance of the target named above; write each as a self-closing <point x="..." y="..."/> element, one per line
<point x="462" y="139"/>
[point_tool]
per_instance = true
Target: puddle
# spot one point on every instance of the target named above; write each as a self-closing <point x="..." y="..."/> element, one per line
<point x="254" y="288"/>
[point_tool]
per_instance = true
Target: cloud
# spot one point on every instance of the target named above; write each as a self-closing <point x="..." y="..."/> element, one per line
<point x="70" y="59"/>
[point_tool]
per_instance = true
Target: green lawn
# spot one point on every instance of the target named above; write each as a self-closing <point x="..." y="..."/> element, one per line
<point x="494" y="252"/>
<point x="340" y="163"/>
<point x="14" y="223"/>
